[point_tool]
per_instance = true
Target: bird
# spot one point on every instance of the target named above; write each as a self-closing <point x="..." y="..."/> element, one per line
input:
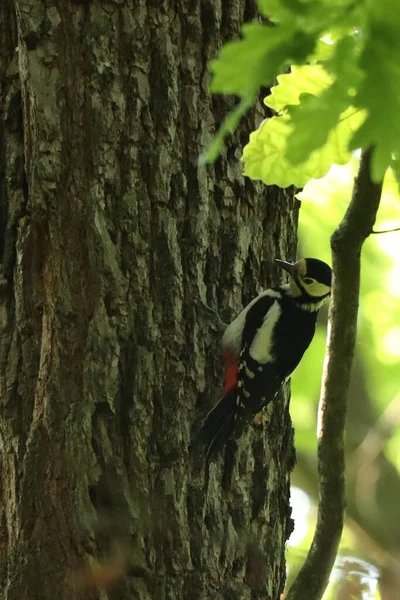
<point x="262" y="347"/>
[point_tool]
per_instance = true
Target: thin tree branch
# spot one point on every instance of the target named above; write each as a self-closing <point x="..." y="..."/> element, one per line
<point x="346" y="244"/>
<point x="386" y="230"/>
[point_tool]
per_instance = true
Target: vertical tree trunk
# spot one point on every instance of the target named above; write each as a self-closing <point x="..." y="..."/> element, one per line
<point x="111" y="236"/>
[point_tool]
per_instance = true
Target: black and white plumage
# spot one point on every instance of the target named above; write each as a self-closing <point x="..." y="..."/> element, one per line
<point x="263" y="346"/>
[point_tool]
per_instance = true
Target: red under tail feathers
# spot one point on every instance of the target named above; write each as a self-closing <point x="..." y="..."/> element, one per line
<point x="231" y="371"/>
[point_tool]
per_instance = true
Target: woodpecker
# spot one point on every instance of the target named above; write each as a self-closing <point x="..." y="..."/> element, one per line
<point x="263" y="346"/>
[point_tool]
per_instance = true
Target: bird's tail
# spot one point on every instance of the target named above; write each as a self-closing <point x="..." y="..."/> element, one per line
<point x="218" y="425"/>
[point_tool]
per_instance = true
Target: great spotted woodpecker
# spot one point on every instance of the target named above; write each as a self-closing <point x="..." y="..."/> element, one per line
<point x="263" y="346"/>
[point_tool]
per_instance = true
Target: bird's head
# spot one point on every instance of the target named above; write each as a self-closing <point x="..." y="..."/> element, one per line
<point x="309" y="278"/>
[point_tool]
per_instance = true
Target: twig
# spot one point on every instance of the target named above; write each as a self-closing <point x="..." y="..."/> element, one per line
<point x="386" y="230"/>
<point x="346" y="244"/>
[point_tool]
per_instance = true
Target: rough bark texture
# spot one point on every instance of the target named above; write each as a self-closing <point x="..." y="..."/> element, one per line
<point x="110" y="236"/>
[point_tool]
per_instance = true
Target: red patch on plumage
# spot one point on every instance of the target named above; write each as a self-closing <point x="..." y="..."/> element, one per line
<point x="231" y="372"/>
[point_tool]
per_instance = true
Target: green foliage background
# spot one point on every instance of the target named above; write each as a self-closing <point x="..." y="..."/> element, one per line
<point x="374" y="412"/>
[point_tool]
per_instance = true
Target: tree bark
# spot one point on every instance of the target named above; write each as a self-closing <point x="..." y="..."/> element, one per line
<point x="111" y="236"/>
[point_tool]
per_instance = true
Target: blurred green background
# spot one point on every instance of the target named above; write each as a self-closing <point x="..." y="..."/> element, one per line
<point x="368" y="566"/>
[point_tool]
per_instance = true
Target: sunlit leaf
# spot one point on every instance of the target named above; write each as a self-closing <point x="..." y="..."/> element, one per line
<point x="318" y="115"/>
<point x="306" y="79"/>
<point x="264" y="157"/>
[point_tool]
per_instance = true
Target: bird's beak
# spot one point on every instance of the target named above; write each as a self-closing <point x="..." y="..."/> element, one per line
<point x="287" y="266"/>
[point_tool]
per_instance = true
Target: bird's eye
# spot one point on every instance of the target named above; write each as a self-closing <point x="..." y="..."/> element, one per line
<point x="308" y="280"/>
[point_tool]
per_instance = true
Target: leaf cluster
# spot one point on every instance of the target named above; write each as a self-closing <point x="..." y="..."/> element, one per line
<point x="342" y="92"/>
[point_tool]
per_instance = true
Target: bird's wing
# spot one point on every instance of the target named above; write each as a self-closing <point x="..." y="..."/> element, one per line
<point x="257" y="314"/>
<point x="243" y="329"/>
<point x="258" y="380"/>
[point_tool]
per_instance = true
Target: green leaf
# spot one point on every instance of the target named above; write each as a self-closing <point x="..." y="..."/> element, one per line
<point x="302" y="80"/>
<point x="379" y="96"/>
<point x="395" y="166"/>
<point x="312" y="11"/>
<point x="385" y="12"/>
<point x="264" y="157"/>
<point x="356" y="46"/>
<point x="275" y="10"/>
<point x="318" y="115"/>
<point x="245" y="65"/>
<point x="228" y="126"/>
<point x="242" y="66"/>
<point x="284" y="10"/>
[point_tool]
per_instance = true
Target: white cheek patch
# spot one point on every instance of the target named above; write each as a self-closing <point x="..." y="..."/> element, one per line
<point x="261" y="347"/>
<point x="317" y="289"/>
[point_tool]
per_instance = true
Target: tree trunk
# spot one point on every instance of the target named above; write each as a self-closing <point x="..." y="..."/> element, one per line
<point x="111" y="238"/>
